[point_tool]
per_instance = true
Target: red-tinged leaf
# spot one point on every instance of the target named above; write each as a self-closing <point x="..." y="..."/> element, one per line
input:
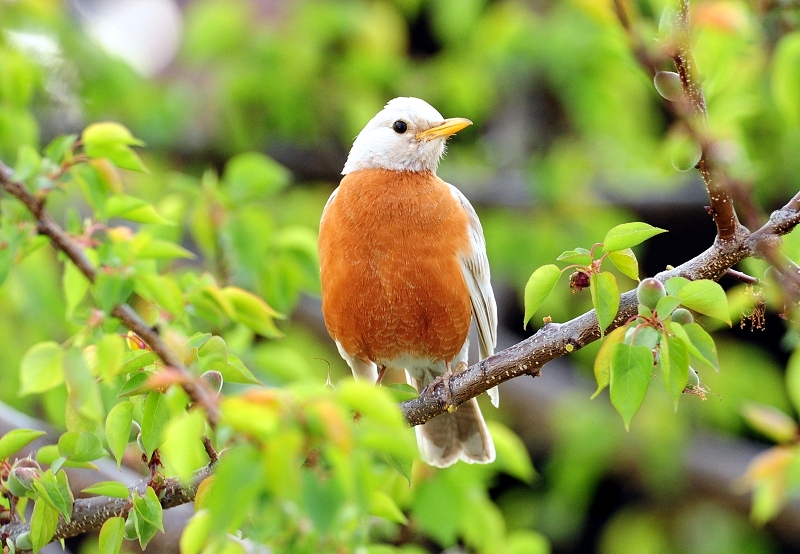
<point x="628" y="235"/>
<point x="605" y="298"/>
<point x="540" y="284"/>
<point x="631" y="367"/>
<point x="770" y="422"/>
<point x="602" y="363"/>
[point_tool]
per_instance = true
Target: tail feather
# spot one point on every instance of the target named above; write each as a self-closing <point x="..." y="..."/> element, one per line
<point x="461" y="435"/>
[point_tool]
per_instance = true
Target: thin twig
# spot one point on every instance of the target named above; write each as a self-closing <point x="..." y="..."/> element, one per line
<point x="46" y="225"/>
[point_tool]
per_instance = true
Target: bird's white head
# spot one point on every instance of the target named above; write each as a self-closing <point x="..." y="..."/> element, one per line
<point x="406" y="135"/>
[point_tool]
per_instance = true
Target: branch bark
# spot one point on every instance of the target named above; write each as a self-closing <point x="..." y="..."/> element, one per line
<point x="557" y="339"/>
<point x="89" y="514"/>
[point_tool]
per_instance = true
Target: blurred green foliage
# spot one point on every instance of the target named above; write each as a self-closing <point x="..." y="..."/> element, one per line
<point x="567" y="126"/>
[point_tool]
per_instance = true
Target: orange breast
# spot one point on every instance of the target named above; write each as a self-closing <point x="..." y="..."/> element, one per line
<point x="391" y="281"/>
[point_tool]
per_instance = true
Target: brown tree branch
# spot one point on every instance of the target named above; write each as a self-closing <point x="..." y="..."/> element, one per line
<point x="89" y="514"/>
<point x="691" y="111"/>
<point x="60" y="239"/>
<point x="555" y="340"/>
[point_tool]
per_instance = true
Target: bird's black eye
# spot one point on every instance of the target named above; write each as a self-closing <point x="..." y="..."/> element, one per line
<point x="400" y="126"/>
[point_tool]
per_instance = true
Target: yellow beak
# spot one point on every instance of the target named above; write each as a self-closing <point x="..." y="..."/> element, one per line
<point x="449" y="127"/>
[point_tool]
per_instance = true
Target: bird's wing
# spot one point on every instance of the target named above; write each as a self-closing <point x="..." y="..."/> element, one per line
<point x="475" y="267"/>
<point x="328" y="203"/>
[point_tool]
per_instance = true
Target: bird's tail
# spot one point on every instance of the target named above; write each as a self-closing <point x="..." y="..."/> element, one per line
<point x="459" y="435"/>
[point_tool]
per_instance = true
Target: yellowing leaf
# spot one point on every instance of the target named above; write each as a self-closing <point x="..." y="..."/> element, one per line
<point x="602" y="363"/>
<point x="625" y="260"/>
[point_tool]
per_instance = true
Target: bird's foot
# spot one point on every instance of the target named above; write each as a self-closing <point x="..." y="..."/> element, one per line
<point x="381" y="373"/>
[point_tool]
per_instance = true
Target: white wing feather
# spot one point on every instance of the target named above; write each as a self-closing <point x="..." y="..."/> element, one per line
<point x="475" y="266"/>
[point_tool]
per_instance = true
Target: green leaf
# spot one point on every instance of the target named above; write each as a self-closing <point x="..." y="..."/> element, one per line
<point x="630" y="376"/>
<point x="163" y="250"/>
<point x="705" y="297"/>
<point x="704" y="344"/>
<point x="674" y="284"/>
<point x="17" y="439"/>
<point x="108" y="132"/>
<point x="136" y="360"/>
<point x="402" y="391"/>
<point x="44" y="521"/>
<point x="111" y="534"/>
<point x="252" y="311"/>
<point x="182" y="451"/>
<point x="161" y="290"/>
<point x="154" y="420"/>
<point x="110" y="355"/>
<point x="54" y="489"/>
<point x="111" y="287"/>
<point x="575" y="257"/>
<point x="195" y="534"/>
<point x="674" y="362"/>
<point x="400" y="464"/>
<point x="539" y="286"/>
<point x="666" y="306"/>
<point x="59" y="146"/>
<point x="605" y="298"/>
<point x="602" y="363"/>
<point x="137" y="384"/>
<point x="793" y="380"/>
<point x="114" y="489"/>
<point x="628" y="235"/>
<point x="118" y="429"/>
<point x="112" y="141"/>
<point x="253" y="175"/>
<point x="147" y="516"/>
<point x="625" y="260"/>
<point x="512" y="456"/>
<point x="80" y="447"/>
<point x="28" y="165"/>
<point x="133" y="209"/>
<point x="41" y="368"/>
<point x="228" y="503"/>
<point x="84" y="409"/>
<point x="48" y="455"/>
<point x="382" y="505"/>
<point x="786" y="77"/>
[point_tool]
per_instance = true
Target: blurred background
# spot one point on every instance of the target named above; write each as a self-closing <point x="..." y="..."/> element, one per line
<point x="570" y="138"/>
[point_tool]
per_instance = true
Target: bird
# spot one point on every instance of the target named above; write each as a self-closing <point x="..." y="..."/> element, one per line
<point x="404" y="270"/>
